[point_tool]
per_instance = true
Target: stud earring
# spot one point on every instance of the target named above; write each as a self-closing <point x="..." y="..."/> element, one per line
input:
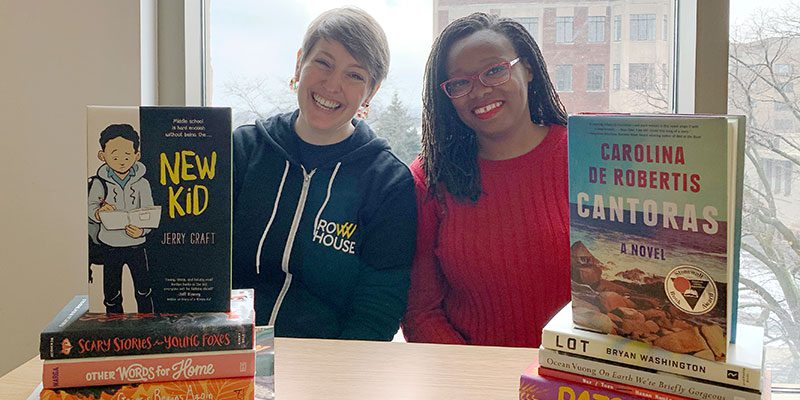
<point x="363" y="111"/>
<point x="293" y="83"/>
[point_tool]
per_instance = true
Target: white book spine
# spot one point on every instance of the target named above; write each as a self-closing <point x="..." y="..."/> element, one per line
<point x="658" y="381"/>
<point x="626" y="351"/>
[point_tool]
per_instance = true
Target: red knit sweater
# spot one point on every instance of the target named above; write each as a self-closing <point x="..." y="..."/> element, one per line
<point x="494" y="272"/>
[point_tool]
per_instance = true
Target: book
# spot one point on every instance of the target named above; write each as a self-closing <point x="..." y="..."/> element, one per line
<point x="103" y="371"/>
<point x="265" y="362"/>
<point x="159" y="209"/>
<point x="644" y="378"/>
<point x="743" y="367"/>
<point x="655" y="221"/>
<point x="532" y="386"/>
<point x="145" y="217"/>
<point x="607" y="385"/>
<point x="74" y="333"/>
<point x="217" y="389"/>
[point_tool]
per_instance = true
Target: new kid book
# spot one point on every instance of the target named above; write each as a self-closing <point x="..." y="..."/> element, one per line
<point x="655" y="220"/>
<point x="74" y="333"/>
<point x="159" y="209"/>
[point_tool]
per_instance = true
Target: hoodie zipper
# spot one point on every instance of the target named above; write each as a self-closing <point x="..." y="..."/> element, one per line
<point x="287" y="250"/>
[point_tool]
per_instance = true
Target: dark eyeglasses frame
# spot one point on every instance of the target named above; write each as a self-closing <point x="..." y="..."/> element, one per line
<point x="477" y="77"/>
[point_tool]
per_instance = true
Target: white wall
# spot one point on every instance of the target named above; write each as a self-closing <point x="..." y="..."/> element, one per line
<point x="55" y="58"/>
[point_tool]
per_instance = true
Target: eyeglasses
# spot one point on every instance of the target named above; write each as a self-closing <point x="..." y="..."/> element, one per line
<point x="495" y="75"/>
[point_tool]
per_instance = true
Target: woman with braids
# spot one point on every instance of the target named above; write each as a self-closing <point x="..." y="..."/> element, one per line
<point x="492" y="259"/>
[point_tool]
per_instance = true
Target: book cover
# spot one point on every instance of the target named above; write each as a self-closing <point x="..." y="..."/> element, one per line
<point x="103" y="371"/>
<point x="655" y="206"/>
<point x="159" y="209"/>
<point x="532" y="386"/>
<point x="742" y="368"/>
<point x="644" y="378"/>
<point x="74" y="333"/>
<point x="217" y="389"/>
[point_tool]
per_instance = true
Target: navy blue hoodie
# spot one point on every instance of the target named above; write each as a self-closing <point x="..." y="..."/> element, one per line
<point x="329" y="250"/>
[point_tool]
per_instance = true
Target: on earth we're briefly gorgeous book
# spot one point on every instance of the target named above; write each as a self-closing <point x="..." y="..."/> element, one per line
<point x="655" y="220"/>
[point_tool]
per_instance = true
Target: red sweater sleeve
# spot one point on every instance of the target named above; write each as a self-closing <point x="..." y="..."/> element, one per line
<point x="425" y="320"/>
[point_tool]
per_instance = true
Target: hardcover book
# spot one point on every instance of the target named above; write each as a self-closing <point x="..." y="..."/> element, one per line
<point x="581" y="367"/>
<point x="217" y="389"/>
<point x="159" y="209"/>
<point x="655" y="220"/>
<point x="103" y="371"/>
<point x="743" y="367"/>
<point x="74" y="333"/>
<point x="535" y="387"/>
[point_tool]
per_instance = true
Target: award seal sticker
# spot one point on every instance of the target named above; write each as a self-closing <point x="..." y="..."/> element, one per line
<point x="691" y="289"/>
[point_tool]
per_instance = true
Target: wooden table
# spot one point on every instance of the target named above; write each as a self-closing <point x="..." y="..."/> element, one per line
<point x="333" y="369"/>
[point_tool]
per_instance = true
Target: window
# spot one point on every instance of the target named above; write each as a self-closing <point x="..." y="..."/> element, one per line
<point x="564" y="78"/>
<point x="564" y="29"/>
<point x="780" y="106"/>
<point x="640" y="76"/>
<point x="616" y="76"/>
<point x="643" y="27"/>
<point x="617" y="28"/>
<point x="779" y="175"/>
<point x="783" y="125"/>
<point x="596" y="28"/>
<point x="783" y="69"/>
<point x="531" y="24"/>
<point x="664" y="28"/>
<point x="594" y="77"/>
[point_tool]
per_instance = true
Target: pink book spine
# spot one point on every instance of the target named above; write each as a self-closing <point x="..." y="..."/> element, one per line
<point x="532" y="386"/>
<point x="141" y="369"/>
<point x="608" y="385"/>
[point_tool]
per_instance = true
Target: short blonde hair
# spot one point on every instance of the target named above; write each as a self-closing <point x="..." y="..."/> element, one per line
<point x="358" y="32"/>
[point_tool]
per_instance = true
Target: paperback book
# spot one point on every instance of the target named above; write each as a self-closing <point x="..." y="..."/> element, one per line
<point x="532" y="386"/>
<point x="159" y="209"/>
<point x="74" y="333"/>
<point x="607" y="385"/>
<point x="742" y="369"/>
<point x="217" y="389"/>
<point x="102" y="371"/>
<point x="655" y="221"/>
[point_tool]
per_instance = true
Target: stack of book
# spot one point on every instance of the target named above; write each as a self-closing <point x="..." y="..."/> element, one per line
<point x="149" y="356"/>
<point x="655" y="227"/>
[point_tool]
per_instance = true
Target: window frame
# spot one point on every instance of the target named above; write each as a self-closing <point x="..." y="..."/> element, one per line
<point x="561" y="29"/>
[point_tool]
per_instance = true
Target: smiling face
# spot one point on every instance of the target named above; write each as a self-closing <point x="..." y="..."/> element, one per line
<point x="119" y="155"/>
<point x="492" y="112"/>
<point x="332" y="85"/>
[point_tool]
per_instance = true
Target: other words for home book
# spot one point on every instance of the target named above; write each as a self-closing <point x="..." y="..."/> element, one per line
<point x="159" y="209"/>
<point x="655" y="205"/>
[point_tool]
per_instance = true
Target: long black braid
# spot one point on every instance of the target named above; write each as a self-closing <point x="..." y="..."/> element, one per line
<point x="450" y="148"/>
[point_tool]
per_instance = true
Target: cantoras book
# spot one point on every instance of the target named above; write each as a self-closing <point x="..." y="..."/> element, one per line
<point x="655" y="220"/>
<point x="74" y="333"/>
<point x="159" y="209"/>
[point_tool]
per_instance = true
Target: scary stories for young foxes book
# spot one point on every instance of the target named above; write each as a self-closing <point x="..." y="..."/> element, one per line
<point x="655" y="206"/>
<point x="159" y="209"/>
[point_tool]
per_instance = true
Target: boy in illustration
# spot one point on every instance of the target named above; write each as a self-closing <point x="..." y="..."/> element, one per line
<point x="124" y="188"/>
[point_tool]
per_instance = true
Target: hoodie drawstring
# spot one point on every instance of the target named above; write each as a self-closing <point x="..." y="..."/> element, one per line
<point x="327" y="196"/>
<point x="271" y="218"/>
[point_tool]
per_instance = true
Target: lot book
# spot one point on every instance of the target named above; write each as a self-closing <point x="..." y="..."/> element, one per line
<point x="74" y="333"/>
<point x="655" y="221"/>
<point x="159" y="209"/>
<point x="743" y="367"/>
<point x="103" y="371"/>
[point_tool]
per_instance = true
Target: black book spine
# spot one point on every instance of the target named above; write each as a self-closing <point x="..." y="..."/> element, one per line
<point x="157" y="338"/>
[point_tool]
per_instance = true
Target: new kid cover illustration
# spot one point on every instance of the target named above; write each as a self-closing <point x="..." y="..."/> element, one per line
<point x="159" y="209"/>
<point x="655" y="204"/>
